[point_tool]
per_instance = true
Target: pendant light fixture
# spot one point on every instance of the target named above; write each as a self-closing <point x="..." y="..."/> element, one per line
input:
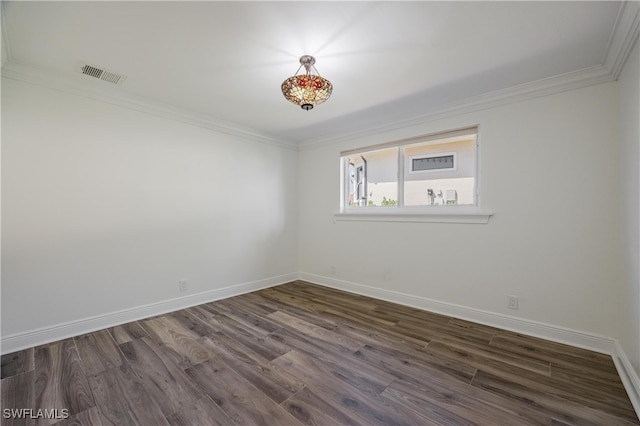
<point x="308" y="89"/>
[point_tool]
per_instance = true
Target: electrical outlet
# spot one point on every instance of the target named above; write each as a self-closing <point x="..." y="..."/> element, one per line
<point x="512" y="302"/>
<point x="183" y="285"/>
<point x="333" y="270"/>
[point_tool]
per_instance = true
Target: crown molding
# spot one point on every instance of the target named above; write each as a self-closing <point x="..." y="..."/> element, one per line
<point x="78" y="86"/>
<point x="89" y="89"/>
<point x="548" y="86"/>
<point x="623" y="36"/>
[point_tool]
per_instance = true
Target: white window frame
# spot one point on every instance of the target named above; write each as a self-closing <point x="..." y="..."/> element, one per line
<point x="401" y="213"/>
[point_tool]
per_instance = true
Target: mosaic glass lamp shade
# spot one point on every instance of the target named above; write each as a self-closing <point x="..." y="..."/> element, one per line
<point x="309" y="89"/>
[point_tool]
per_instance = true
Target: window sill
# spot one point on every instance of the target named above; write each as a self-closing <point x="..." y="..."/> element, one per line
<point x="412" y="215"/>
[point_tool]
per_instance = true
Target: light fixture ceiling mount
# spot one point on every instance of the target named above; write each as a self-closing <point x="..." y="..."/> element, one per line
<point x="308" y="89"/>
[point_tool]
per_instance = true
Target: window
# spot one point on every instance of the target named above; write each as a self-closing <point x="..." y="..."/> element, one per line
<point x="425" y="163"/>
<point x="372" y="178"/>
<point x="433" y="170"/>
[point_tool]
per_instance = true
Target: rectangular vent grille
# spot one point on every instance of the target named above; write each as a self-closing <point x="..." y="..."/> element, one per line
<point x="101" y="74"/>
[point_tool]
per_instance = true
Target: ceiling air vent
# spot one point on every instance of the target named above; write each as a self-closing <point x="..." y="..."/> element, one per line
<point x="102" y="74"/>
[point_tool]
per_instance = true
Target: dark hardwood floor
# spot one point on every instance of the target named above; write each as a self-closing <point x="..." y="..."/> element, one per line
<point x="305" y="354"/>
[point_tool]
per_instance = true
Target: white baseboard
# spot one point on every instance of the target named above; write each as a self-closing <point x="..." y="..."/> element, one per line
<point x="551" y="332"/>
<point x="44" y="335"/>
<point x="519" y="325"/>
<point x="628" y="376"/>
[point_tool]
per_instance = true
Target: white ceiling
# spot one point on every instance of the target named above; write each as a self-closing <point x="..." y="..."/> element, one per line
<point x="223" y="62"/>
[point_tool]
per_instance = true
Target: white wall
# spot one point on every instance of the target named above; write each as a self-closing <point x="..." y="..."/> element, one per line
<point x="105" y="209"/>
<point x="629" y="92"/>
<point x="549" y="172"/>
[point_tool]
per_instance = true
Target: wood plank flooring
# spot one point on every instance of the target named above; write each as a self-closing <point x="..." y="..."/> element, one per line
<point x="304" y="354"/>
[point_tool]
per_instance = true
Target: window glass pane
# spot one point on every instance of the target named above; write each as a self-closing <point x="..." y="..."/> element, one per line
<point x="440" y="172"/>
<point x="373" y="178"/>
<point x="438" y="162"/>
